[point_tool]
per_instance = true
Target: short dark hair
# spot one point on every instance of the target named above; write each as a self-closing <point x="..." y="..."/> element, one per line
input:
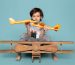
<point x="34" y="10"/>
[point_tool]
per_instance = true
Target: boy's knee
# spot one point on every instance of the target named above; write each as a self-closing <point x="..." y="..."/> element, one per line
<point x="52" y="48"/>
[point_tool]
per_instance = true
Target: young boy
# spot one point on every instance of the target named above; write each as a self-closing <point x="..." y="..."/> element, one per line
<point x="35" y="33"/>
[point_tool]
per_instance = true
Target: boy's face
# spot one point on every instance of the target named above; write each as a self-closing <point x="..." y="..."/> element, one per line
<point x="36" y="16"/>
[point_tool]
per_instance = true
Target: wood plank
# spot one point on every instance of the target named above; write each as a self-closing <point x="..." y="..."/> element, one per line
<point x="65" y="51"/>
<point x="26" y="42"/>
<point x="59" y="51"/>
<point x="8" y="51"/>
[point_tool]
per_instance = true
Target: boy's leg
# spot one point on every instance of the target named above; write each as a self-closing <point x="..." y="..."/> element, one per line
<point x="54" y="56"/>
<point x="18" y="57"/>
<point x="54" y="49"/>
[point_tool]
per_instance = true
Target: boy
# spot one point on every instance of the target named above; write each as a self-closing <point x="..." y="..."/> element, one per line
<point x="35" y="33"/>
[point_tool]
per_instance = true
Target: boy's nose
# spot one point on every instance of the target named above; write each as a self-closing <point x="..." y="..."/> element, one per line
<point x="33" y="31"/>
<point x="36" y="18"/>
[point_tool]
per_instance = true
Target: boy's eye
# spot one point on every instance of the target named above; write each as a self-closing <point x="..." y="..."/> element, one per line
<point x="34" y="16"/>
<point x="38" y="15"/>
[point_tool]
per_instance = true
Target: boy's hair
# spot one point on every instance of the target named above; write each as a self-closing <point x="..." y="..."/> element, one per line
<point x="34" y="10"/>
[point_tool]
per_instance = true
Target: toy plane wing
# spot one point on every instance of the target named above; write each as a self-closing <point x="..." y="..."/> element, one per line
<point x="25" y="42"/>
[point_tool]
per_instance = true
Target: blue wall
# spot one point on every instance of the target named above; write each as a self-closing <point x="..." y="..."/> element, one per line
<point x="55" y="11"/>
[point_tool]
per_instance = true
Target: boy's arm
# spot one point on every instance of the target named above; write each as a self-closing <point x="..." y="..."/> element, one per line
<point x="28" y="30"/>
<point x="12" y="21"/>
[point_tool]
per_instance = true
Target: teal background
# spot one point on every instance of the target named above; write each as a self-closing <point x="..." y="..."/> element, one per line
<point x="55" y="11"/>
